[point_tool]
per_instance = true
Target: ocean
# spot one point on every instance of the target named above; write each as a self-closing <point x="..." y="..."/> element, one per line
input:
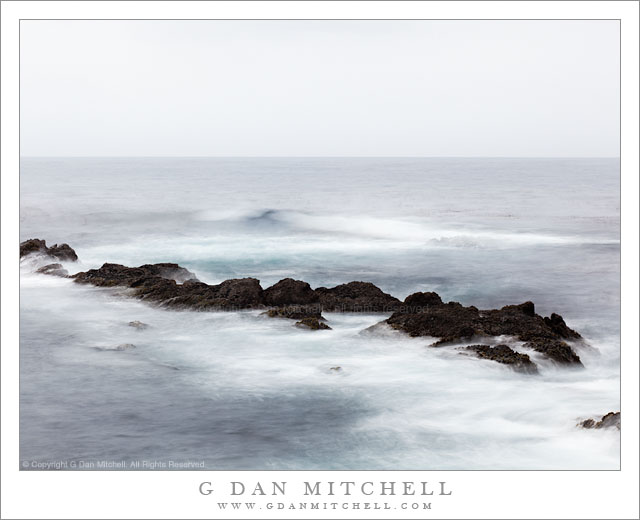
<point x="238" y="390"/>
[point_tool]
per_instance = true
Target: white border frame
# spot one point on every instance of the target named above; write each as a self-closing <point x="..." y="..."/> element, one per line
<point x="476" y="494"/>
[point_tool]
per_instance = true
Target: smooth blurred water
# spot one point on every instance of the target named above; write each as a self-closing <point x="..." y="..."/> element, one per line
<point x="240" y="391"/>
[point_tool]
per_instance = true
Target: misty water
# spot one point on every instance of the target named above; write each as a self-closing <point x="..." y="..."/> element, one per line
<point x="238" y="390"/>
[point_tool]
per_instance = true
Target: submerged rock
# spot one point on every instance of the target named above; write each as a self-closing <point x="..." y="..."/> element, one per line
<point x="295" y="312"/>
<point x="54" y="270"/>
<point x="138" y="325"/>
<point x="290" y="292"/>
<point x="554" y="349"/>
<point x="505" y="355"/>
<point x="313" y="324"/>
<point x="453" y="322"/>
<point x="357" y="297"/>
<point x="117" y="348"/>
<point x="611" y="420"/>
<point x="35" y="245"/>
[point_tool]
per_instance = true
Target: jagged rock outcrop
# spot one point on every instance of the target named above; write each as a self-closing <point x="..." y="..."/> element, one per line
<point x="505" y="355"/>
<point x="243" y="293"/>
<point x="453" y="322"/>
<point x="61" y="252"/>
<point x="357" y="297"/>
<point x="290" y="292"/>
<point x="156" y="283"/>
<point x="611" y="420"/>
<point x="417" y="302"/>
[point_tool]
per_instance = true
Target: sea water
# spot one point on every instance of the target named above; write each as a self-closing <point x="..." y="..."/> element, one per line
<point x="238" y="390"/>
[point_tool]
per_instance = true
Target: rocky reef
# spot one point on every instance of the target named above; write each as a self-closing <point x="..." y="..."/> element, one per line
<point x="421" y="313"/>
<point x="452" y="323"/>
<point x="356" y="297"/>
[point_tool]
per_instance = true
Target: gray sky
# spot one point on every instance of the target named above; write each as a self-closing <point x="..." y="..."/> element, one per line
<point x="320" y="88"/>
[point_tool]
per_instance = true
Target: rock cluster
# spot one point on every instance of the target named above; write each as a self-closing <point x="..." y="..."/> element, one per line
<point x="356" y="297"/>
<point x="452" y="322"/>
<point x="61" y="252"/>
<point x="611" y="420"/>
<point x="421" y="313"/>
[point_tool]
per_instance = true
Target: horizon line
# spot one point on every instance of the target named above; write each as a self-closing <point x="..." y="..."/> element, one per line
<point x="319" y="157"/>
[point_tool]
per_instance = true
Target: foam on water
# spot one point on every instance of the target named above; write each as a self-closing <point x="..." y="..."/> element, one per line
<point x="243" y="391"/>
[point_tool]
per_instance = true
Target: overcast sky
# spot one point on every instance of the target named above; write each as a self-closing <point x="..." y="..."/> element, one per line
<point x="320" y="88"/>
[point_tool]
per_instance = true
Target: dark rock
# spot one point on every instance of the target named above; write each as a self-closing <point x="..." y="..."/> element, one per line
<point x="416" y="302"/>
<point x="557" y="324"/>
<point x="357" y="297"/>
<point x="154" y="288"/>
<point x="170" y="271"/>
<point x="33" y="245"/>
<point x="441" y="321"/>
<point x="505" y="355"/>
<point x="554" y="349"/>
<point x="313" y="324"/>
<point x="111" y="275"/>
<point x="241" y="292"/>
<point x="61" y="252"/>
<point x="290" y="292"/>
<point x="54" y="270"/>
<point x="453" y="322"/>
<point x="611" y="420"/>
<point x="526" y="308"/>
<point x="296" y="312"/>
<point x="244" y="293"/>
<point x="149" y="284"/>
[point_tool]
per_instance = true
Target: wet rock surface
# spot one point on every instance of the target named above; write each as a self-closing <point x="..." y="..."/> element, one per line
<point x="505" y="355"/>
<point x="312" y="324"/>
<point x="416" y="302"/>
<point x="290" y="292"/>
<point x="611" y="420"/>
<point x="357" y="297"/>
<point x="451" y="322"/>
<point x="554" y="349"/>
<point x="34" y="245"/>
<point x="54" y="270"/>
<point x="296" y="312"/>
<point x="138" y="325"/>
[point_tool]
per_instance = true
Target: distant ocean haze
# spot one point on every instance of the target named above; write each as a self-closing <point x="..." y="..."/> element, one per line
<point x="241" y="391"/>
